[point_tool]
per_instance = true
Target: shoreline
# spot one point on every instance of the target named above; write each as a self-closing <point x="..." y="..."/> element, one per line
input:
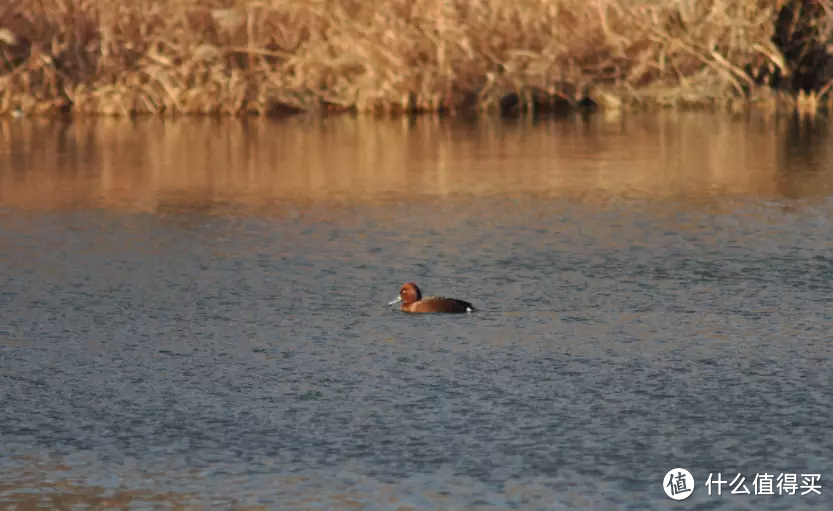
<point x="393" y="57"/>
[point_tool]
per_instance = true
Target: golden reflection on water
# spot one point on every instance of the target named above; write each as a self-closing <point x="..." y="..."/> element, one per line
<point x="149" y="164"/>
<point x="40" y="495"/>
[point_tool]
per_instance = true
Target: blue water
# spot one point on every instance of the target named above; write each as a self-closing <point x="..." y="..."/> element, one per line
<point x="217" y="359"/>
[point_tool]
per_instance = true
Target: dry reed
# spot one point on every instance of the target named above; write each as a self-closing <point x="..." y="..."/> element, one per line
<point x="234" y="57"/>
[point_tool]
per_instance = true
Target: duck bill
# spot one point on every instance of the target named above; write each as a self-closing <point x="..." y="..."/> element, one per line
<point x="395" y="301"/>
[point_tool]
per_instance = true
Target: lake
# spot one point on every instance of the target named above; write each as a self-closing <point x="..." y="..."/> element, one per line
<point x="193" y="313"/>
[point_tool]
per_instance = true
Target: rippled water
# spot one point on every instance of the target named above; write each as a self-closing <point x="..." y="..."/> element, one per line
<point x="193" y="314"/>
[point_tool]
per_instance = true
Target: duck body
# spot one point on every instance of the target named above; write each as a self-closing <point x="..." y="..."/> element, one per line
<point x="411" y="299"/>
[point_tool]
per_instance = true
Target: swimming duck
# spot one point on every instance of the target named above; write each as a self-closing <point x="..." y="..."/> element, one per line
<point x="412" y="301"/>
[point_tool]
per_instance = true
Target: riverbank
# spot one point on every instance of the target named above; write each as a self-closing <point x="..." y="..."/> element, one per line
<point x="386" y="56"/>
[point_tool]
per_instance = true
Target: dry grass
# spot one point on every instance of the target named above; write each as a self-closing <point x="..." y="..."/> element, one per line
<point x="235" y="57"/>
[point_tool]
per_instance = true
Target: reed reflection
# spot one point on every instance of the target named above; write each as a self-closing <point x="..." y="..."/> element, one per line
<point x="146" y="165"/>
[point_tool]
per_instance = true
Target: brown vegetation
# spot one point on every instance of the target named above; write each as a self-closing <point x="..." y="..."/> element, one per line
<point x="237" y="57"/>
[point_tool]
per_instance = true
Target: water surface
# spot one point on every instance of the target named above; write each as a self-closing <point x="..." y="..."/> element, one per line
<point x="192" y="313"/>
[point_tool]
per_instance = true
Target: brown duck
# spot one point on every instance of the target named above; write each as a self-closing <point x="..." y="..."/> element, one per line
<point x="412" y="301"/>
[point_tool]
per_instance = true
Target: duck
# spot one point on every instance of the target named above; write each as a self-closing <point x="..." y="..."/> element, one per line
<point x="411" y="299"/>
